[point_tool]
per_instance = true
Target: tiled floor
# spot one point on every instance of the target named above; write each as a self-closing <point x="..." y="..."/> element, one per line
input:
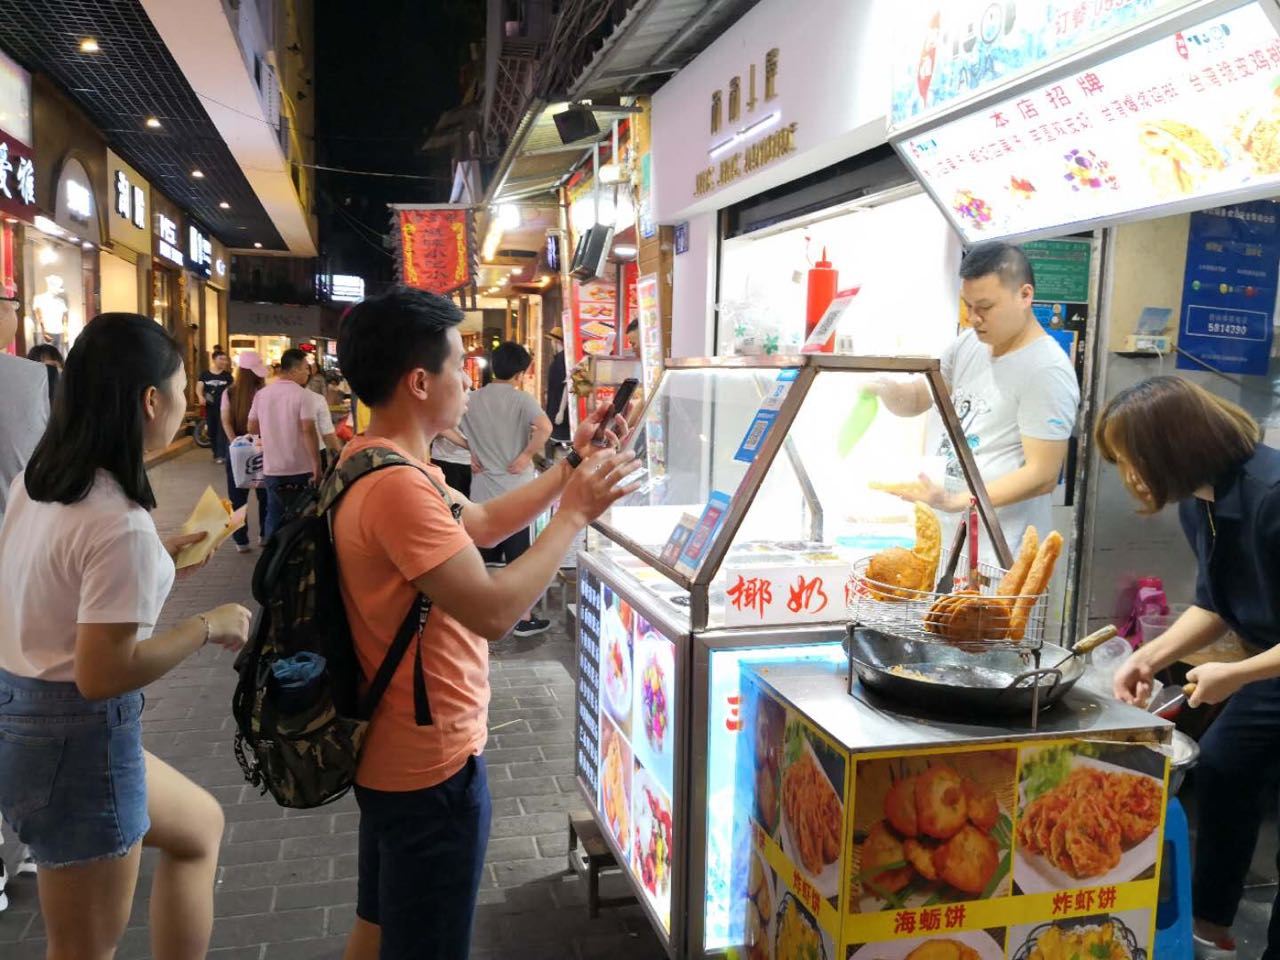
<point x="286" y="886"/>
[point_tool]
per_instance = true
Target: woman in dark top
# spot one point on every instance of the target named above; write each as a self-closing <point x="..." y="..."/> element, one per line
<point x="1176" y="442"/>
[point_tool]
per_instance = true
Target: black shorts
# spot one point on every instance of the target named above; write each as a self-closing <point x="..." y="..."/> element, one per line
<point x="508" y="549"/>
<point x="456" y="475"/>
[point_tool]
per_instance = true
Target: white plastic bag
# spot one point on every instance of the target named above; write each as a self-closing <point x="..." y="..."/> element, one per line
<point x="246" y="462"/>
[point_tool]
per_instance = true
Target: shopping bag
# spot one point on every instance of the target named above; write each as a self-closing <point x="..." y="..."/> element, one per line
<point x="246" y="462"/>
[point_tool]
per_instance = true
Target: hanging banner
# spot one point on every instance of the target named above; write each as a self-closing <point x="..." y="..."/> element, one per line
<point x="434" y="248"/>
<point x="1229" y="288"/>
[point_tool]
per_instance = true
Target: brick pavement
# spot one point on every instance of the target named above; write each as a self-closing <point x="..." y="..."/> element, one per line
<point x="286" y="882"/>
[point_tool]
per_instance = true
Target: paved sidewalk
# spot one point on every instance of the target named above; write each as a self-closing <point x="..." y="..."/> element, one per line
<point x="286" y="887"/>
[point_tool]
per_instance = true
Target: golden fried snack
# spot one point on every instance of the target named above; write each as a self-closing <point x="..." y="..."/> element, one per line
<point x="968" y="860"/>
<point x="1258" y="133"/>
<point x="813" y="811"/>
<point x="1012" y="583"/>
<point x="943" y="950"/>
<point x="1178" y="157"/>
<point x="939" y="615"/>
<point x="1137" y="803"/>
<point x="941" y="810"/>
<point x="758" y="889"/>
<point x="895" y="568"/>
<point x="1086" y="841"/>
<point x="928" y="543"/>
<point x="920" y="856"/>
<point x="912" y="488"/>
<point x="880" y="849"/>
<point x="900" y="807"/>
<point x="983" y="809"/>
<point x="1036" y="583"/>
<point x="976" y="618"/>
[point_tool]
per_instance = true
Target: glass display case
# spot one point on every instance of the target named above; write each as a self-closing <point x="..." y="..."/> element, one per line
<point x="761" y="482"/>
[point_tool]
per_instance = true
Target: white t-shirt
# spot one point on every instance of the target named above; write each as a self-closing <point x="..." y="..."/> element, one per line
<point x="1031" y="392"/>
<point x="315" y="404"/>
<point x="96" y="561"/>
<point x="446" y="451"/>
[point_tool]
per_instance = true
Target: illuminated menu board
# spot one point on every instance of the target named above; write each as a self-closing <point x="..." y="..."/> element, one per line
<point x="1169" y="125"/>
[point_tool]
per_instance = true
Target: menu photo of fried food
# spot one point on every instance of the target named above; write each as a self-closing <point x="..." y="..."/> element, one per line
<point x="1087" y="813"/>
<point x="615" y="783"/>
<point x="812" y="809"/>
<point x="967" y="945"/>
<point x="1121" y="936"/>
<point x="1257" y="133"/>
<point x="796" y="934"/>
<point x="770" y="721"/>
<point x="761" y="891"/>
<point x="932" y="829"/>
<point x="1178" y="158"/>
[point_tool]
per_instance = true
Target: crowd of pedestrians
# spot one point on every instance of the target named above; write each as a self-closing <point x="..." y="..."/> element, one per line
<point x="84" y="574"/>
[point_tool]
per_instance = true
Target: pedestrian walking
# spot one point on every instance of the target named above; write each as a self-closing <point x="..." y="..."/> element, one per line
<point x="209" y="392"/>
<point x="83" y="577"/>
<point x="400" y="533"/>
<point x="47" y="354"/>
<point x="282" y="417"/>
<point x="24" y="412"/>
<point x="237" y="400"/>
<point x="505" y="427"/>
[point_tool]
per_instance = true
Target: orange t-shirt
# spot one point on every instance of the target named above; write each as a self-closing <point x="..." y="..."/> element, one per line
<point x="389" y="529"/>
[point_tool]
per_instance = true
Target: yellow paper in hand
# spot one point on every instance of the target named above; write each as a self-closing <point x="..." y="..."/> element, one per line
<point x="214" y="518"/>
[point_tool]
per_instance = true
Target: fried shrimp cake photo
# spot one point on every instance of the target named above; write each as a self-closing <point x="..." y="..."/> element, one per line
<point x="1086" y="841"/>
<point x="1137" y="802"/>
<point x="941" y="809"/>
<point x="968" y="860"/>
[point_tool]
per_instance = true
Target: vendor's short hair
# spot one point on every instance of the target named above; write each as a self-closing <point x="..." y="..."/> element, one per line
<point x="1175" y="436"/>
<point x="1003" y="259"/>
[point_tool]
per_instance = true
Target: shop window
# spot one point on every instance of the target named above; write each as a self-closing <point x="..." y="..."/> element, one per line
<point x="54" y="307"/>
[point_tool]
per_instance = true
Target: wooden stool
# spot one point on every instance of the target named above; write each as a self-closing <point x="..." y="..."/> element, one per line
<point x="593" y="857"/>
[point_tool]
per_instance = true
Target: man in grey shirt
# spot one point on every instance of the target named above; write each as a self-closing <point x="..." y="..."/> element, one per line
<point x="505" y="427"/>
<point x="24" y="412"/>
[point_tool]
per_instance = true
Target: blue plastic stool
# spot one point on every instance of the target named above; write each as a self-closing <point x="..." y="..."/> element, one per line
<point x="1173" y="914"/>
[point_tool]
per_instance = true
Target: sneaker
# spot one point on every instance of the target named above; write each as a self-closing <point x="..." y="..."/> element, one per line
<point x="243" y="548"/>
<point x="531" y="627"/>
<point x="27" y="865"/>
<point x="1213" y="950"/>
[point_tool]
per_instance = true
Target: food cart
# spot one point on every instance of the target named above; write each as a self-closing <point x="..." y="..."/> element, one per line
<point x="885" y="831"/>
<point x="757" y="499"/>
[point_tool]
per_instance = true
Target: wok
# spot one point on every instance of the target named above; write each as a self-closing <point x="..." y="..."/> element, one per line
<point x="997" y="682"/>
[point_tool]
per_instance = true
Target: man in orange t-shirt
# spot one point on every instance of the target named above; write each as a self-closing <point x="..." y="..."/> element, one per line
<point x="421" y="785"/>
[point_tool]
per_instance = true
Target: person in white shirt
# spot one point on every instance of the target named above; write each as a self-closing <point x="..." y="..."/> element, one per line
<point x="83" y="578"/>
<point x="1014" y="390"/>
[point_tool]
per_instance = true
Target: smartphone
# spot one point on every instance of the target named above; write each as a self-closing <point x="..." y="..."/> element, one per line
<point x="621" y="397"/>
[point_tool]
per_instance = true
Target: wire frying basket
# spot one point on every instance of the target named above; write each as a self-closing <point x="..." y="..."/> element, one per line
<point x="974" y="617"/>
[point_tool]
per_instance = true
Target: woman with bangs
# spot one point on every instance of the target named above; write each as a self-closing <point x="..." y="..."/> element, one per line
<point x="1175" y="442"/>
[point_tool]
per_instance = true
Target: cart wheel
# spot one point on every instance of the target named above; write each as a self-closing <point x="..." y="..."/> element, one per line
<point x="200" y="434"/>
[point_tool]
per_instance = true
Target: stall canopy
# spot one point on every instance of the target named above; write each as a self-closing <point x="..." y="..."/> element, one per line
<point x="1066" y="115"/>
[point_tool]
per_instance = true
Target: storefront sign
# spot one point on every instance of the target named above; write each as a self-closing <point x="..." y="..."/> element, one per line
<point x="15" y="101"/>
<point x="17" y="178"/>
<point x="199" y="251"/>
<point x="344" y="288"/>
<point x="75" y="203"/>
<point x="435" y="249"/>
<point x="1061" y="269"/>
<point x="1162" y="128"/>
<point x="128" y="222"/>
<point x="167" y="240"/>
<point x="1229" y="288"/>
<point x="220" y="273"/>
<point x="801" y="593"/>
<point x="275" y="319"/>
<point x="131" y="201"/>
<point x="949" y="53"/>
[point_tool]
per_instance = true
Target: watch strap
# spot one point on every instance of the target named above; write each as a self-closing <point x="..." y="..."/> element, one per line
<point x="573" y="459"/>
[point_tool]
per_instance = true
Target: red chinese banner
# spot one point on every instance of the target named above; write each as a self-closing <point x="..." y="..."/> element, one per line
<point x="435" y="253"/>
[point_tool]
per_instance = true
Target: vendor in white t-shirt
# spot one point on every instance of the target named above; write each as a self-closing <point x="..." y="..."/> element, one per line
<point x="1013" y="388"/>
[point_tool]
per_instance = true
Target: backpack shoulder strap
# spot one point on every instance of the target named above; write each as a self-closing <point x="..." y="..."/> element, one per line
<point x="361" y="464"/>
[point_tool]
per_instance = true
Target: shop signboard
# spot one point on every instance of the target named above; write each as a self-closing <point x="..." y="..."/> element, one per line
<point x="434" y="248"/>
<point x="1166" y="127"/>
<point x="1229" y="288"/>
<point x="946" y="54"/>
<point x="220" y="265"/>
<point x="129" y="220"/>
<point x="625" y="735"/>
<point x="15" y="101"/>
<point x="17" y="178"/>
<point x="75" y="205"/>
<point x="276" y="319"/>
<point x="846" y="855"/>
<point x="199" y="254"/>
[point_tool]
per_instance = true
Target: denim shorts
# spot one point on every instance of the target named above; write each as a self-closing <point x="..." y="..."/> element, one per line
<point x="73" y="777"/>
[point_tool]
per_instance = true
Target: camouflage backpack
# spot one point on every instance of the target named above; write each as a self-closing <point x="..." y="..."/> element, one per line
<point x="300" y="718"/>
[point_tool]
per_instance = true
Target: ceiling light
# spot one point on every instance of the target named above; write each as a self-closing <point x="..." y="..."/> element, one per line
<point x="624" y="250"/>
<point x="87" y="245"/>
<point x="45" y="225"/>
<point x="224" y="205"/>
<point x="89" y="45"/>
<point x="509" y="216"/>
<point x="153" y="123"/>
<point x="257" y="245"/>
<point x="198" y="174"/>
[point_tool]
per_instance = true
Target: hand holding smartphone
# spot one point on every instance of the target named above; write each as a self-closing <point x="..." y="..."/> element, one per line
<point x="621" y="397"/>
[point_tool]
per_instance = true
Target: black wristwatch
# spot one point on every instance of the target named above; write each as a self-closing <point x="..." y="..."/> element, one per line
<point x="573" y="460"/>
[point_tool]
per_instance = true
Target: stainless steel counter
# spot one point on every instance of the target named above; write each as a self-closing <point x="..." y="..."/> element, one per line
<point x="864" y="722"/>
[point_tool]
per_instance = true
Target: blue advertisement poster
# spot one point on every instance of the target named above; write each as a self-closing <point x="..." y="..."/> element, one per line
<point x="1229" y="289"/>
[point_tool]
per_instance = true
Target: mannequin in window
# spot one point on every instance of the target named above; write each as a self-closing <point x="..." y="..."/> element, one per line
<point x="50" y="309"/>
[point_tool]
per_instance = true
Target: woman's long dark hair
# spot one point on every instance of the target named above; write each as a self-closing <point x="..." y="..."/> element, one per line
<point x="241" y="394"/>
<point x="97" y="421"/>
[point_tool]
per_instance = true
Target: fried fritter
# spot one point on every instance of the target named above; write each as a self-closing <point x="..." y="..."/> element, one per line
<point x="882" y="848"/>
<point x="896" y="568"/>
<point x="943" y="950"/>
<point x="1137" y="802"/>
<point x="941" y="809"/>
<point x="968" y="860"/>
<point x="900" y="807"/>
<point x="813" y="811"/>
<point x="920" y="856"/>
<point x="983" y="810"/>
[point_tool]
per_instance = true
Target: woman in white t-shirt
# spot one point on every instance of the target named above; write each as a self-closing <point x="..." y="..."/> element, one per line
<point x="83" y="577"/>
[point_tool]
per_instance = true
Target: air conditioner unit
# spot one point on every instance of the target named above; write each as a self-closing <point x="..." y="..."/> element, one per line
<point x="593" y="250"/>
